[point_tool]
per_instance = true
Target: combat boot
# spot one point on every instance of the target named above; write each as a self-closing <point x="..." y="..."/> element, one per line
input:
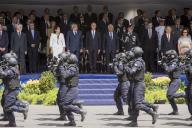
<point x="10" y="125"/>
<point x="119" y="113"/>
<point x="62" y="118"/>
<point x="154" y="117"/>
<point x="174" y="113"/>
<point x="71" y="123"/>
<point x="155" y="108"/>
<point x="133" y="124"/>
<point x="129" y="118"/>
<point x="83" y="113"/>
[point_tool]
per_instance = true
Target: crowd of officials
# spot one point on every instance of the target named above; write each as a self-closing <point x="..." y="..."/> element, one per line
<point x="95" y="39"/>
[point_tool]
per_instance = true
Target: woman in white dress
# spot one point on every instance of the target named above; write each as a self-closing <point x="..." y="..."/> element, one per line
<point x="57" y="42"/>
<point x="184" y="42"/>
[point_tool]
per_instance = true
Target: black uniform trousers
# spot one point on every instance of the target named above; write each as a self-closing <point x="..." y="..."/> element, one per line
<point x="33" y="57"/>
<point x="171" y="93"/>
<point x="139" y="102"/>
<point x="188" y="92"/>
<point x="121" y="92"/>
<point x="67" y="102"/>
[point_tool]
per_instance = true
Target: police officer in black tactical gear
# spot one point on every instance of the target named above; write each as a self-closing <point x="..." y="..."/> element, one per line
<point x="123" y="86"/>
<point x="61" y="92"/>
<point x="3" y="64"/>
<point x="138" y="102"/>
<point x="188" y="72"/>
<point x="69" y="74"/>
<point x="10" y="77"/>
<point x="173" y="68"/>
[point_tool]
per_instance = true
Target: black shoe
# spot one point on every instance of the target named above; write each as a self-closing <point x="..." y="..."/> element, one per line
<point x="133" y="124"/>
<point x="155" y="117"/>
<point x="70" y="124"/>
<point x="10" y="125"/>
<point x="155" y="108"/>
<point x="83" y="113"/>
<point x="129" y="118"/>
<point x="189" y="119"/>
<point x="4" y="119"/>
<point x="61" y="118"/>
<point x="2" y="114"/>
<point x="119" y="113"/>
<point x="174" y="113"/>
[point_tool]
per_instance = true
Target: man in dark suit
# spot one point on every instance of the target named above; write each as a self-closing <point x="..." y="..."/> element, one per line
<point x="177" y="28"/>
<point x="111" y="44"/>
<point x="33" y="40"/>
<point x="74" y="40"/>
<point x="83" y="26"/>
<point x="121" y="16"/>
<point x="186" y="17"/>
<point x="170" y="19"/>
<point x="19" y="46"/>
<point x="64" y="25"/>
<point x="74" y="18"/>
<point x="106" y="12"/>
<point x="11" y="27"/>
<point x="150" y="40"/>
<point x="44" y="25"/>
<point x="103" y="24"/>
<point x="27" y="27"/>
<point x="93" y="45"/>
<point x="168" y="40"/>
<point x="59" y="16"/>
<point x="4" y="42"/>
<point x="90" y="16"/>
<point x="156" y="18"/>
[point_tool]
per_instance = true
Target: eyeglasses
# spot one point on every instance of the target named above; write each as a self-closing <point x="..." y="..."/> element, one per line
<point x="185" y="32"/>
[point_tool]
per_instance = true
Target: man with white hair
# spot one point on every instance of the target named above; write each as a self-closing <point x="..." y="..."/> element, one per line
<point x="19" y="46"/>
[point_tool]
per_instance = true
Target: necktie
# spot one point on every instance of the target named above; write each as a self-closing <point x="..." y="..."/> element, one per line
<point x="168" y="36"/>
<point x="150" y="33"/>
<point x="93" y="34"/>
<point x="111" y="35"/>
<point x="33" y="34"/>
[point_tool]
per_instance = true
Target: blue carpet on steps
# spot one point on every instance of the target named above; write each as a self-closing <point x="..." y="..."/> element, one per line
<point x="94" y="89"/>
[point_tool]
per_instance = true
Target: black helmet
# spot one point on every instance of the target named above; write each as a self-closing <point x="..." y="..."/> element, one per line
<point x="72" y="59"/>
<point x="171" y="54"/>
<point x="64" y="56"/>
<point x="138" y="51"/>
<point x="9" y="55"/>
<point x="12" y="61"/>
<point x="130" y="55"/>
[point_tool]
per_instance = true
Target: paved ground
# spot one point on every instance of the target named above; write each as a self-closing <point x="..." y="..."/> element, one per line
<point x="101" y="117"/>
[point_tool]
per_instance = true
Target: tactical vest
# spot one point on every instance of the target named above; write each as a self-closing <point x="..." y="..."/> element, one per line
<point x="60" y="79"/>
<point x="177" y="72"/>
<point x="139" y="75"/>
<point x="13" y="81"/>
<point x="74" y="80"/>
<point x="189" y="75"/>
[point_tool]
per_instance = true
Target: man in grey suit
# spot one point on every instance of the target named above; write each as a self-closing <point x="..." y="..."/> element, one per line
<point x="74" y="40"/>
<point x="93" y="45"/>
<point x="111" y="44"/>
<point x="19" y="46"/>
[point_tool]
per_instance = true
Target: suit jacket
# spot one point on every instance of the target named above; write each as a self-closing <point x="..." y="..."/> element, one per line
<point x="110" y="17"/>
<point x="75" y="18"/>
<point x="177" y="31"/>
<point x="74" y="42"/>
<point x="150" y="44"/>
<point x="4" y="41"/>
<point x="168" y="45"/>
<point x="110" y="45"/>
<point x="169" y="21"/>
<point x="155" y="21"/>
<point x="90" y="18"/>
<point x="93" y="43"/>
<point x="185" y="21"/>
<point x="64" y="27"/>
<point x="31" y="40"/>
<point x="43" y="27"/>
<point x="103" y="26"/>
<point x="18" y="43"/>
<point x="10" y="29"/>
